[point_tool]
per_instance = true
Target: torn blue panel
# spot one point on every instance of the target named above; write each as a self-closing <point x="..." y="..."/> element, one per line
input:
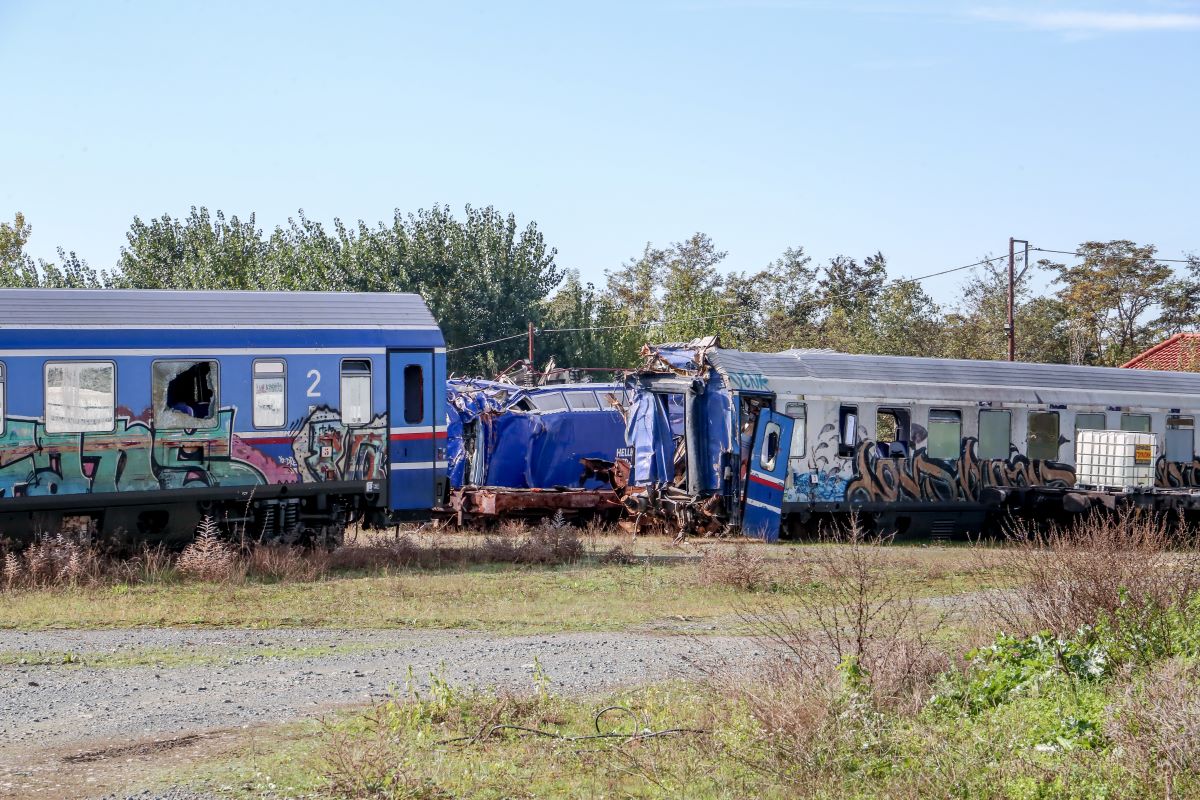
<point x="681" y="358"/>
<point x="456" y="453"/>
<point x="648" y="432"/>
<point x="718" y="409"/>
<point x="532" y="438"/>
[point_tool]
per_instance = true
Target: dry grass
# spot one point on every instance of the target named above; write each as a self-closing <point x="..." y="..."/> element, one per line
<point x="1098" y="566"/>
<point x="74" y="560"/>
<point x="739" y="567"/>
<point x="1156" y="724"/>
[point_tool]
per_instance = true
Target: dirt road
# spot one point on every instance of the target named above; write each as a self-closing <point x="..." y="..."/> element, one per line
<point x="128" y="695"/>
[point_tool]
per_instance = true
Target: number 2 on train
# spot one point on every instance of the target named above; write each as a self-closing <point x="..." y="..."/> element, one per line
<point x="316" y="380"/>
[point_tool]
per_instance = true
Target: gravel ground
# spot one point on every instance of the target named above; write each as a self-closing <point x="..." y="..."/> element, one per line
<point x="71" y="708"/>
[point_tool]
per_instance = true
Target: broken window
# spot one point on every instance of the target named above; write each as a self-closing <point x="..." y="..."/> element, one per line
<point x="80" y="396"/>
<point x="185" y="394"/>
<point x="581" y="401"/>
<point x="995" y="434"/>
<point x="945" y="434"/>
<point x="1090" y="421"/>
<point x="270" y="393"/>
<point x="891" y="432"/>
<point x="770" y="447"/>
<point x="1181" y="439"/>
<point x="414" y="394"/>
<point x="847" y="430"/>
<point x="1041" y="441"/>
<point x="1136" y="423"/>
<point x="799" y="413"/>
<point x="356" y="391"/>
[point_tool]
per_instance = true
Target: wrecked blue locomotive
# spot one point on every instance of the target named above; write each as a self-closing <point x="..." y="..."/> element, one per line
<point x="289" y="414"/>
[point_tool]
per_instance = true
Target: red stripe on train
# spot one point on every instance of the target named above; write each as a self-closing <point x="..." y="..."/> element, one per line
<point x="768" y="482"/>
<point x="404" y="437"/>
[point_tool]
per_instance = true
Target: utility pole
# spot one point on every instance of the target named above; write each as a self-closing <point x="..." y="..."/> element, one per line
<point x="1010" y="327"/>
<point x="531" y="347"/>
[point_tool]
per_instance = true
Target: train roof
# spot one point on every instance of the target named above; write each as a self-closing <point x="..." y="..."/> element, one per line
<point x="164" y="308"/>
<point x="829" y="365"/>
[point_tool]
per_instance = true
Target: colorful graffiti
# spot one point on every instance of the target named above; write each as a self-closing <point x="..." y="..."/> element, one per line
<point x="1176" y="474"/>
<point x="327" y="449"/>
<point x="136" y="457"/>
<point x="880" y="479"/>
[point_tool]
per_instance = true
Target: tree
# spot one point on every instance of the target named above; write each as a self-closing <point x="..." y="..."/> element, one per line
<point x="975" y="328"/>
<point x="586" y="328"/>
<point x="1110" y="297"/>
<point x="18" y="269"/>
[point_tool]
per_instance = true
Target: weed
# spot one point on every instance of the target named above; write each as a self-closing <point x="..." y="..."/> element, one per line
<point x="209" y="557"/>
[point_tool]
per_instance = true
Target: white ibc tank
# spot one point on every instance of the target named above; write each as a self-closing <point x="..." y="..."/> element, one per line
<point x="1115" y="458"/>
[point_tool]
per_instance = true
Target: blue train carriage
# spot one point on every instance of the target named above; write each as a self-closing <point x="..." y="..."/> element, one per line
<point x="920" y="445"/>
<point x="510" y="436"/>
<point x="283" y="414"/>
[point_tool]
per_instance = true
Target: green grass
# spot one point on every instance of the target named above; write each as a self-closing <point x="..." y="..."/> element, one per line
<point x="166" y="657"/>
<point x="1047" y="735"/>
<point x="588" y="596"/>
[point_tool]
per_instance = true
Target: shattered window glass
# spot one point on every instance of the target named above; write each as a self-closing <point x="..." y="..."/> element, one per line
<point x="581" y="401"/>
<point x="356" y="391"/>
<point x="185" y="394"/>
<point x="80" y="397"/>
<point x="270" y="393"/>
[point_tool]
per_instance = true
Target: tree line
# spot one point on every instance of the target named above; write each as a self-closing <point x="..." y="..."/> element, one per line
<point x="485" y="276"/>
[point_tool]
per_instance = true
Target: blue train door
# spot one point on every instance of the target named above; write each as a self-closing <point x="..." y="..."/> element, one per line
<point x="768" y="472"/>
<point x="412" y="430"/>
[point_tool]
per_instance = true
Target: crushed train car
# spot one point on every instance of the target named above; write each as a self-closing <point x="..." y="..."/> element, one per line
<point x="917" y="445"/>
<point x="530" y="451"/>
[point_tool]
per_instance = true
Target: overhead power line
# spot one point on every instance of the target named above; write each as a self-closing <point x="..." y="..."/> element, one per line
<point x="1082" y="255"/>
<point x="655" y="323"/>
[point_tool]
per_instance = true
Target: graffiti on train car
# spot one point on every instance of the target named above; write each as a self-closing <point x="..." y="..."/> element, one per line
<point x="137" y="457"/>
<point x="327" y="449"/>
<point x="923" y="478"/>
<point x="1176" y="474"/>
<point x="869" y="477"/>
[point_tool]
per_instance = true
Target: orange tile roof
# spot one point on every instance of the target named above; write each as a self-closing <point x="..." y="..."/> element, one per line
<point x="1180" y="352"/>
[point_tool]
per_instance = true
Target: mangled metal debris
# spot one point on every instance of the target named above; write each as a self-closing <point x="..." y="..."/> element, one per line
<point x="530" y="451"/>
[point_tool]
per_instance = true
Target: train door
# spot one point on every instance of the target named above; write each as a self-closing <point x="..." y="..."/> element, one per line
<point x="412" y="430"/>
<point x="768" y="470"/>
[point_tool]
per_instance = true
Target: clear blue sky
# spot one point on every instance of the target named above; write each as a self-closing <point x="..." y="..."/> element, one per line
<point x="932" y="131"/>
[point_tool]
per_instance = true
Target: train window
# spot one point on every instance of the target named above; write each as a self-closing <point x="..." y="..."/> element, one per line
<point x="550" y="401"/>
<point x="356" y="390"/>
<point x="847" y="430"/>
<point x="945" y="434"/>
<point x="581" y="401"/>
<point x="1090" y="421"/>
<point x="799" y="413"/>
<point x="891" y="431"/>
<point x="80" y="396"/>
<point x="185" y="394"/>
<point x="270" y="393"/>
<point x="995" y="434"/>
<point x="1181" y="439"/>
<point x="1135" y="423"/>
<point x="770" y="447"/>
<point x="1" y="399"/>
<point x="1041" y="441"/>
<point x="414" y="394"/>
